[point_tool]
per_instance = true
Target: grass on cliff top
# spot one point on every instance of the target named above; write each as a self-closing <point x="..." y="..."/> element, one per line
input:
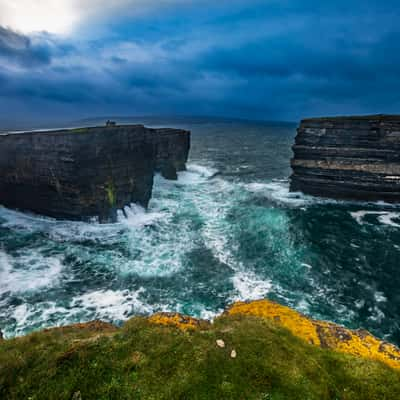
<point x="146" y="361"/>
<point x="79" y="130"/>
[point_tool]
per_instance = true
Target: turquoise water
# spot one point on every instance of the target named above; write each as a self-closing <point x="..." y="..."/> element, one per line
<point x="227" y="230"/>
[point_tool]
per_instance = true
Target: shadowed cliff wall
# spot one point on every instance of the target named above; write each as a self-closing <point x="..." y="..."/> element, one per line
<point x="86" y="172"/>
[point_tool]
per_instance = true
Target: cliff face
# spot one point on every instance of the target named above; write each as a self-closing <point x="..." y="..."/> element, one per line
<point x="348" y="158"/>
<point x="86" y="172"/>
<point x="172" y="150"/>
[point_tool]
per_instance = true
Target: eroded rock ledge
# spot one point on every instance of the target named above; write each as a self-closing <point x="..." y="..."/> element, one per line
<point x="348" y="158"/>
<point x="87" y="172"/>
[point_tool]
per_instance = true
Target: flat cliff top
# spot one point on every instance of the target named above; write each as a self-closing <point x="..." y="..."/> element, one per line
<point x="376" y="117"/>
<point x="90" y="129"/>
<point x="79" y="130"/>
<point x="257" y="350"/>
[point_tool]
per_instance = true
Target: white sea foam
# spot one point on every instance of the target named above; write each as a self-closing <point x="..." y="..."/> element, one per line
<point x="38" y="315"/>
<point x="112" y="305"/>
<point x="360" y="303"/>
<point x="278" y="191"/>
<point x="193" y="212"/>
<point x="107" y="305"/>
<point x="380" y="297"/>
<point x="303" y="306"/>
<point x="209" y="314"/>
<point x="376" y="314"/>
<point x="195" y="174"/>
<point x="384" y="217"/>
<point x="250" y="287"/>
<point x="135" y="216"/>
<point x="28" y="272"/>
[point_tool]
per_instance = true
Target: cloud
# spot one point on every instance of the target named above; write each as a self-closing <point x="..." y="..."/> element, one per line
<point x="63" y="16"/>
<point x="22" y="50"/>
<point x="258" y="59"/>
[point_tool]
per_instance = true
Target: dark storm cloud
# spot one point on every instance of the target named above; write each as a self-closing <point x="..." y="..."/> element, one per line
<point x="19" y="48"/>
<point x="257" y="59"/>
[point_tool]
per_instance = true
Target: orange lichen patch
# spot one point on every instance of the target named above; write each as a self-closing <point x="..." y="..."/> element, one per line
<point x="295" y="322"/>
<point x="324" y="334"/>
<point x="180" y="321"/>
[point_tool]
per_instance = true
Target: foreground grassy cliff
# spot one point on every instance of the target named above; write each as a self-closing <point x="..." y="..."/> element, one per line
<point x="256" y="350"/>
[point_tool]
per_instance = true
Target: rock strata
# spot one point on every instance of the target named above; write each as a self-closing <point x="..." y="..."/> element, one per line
<point x="356" y="158"/>
<point x="82" y="173"/>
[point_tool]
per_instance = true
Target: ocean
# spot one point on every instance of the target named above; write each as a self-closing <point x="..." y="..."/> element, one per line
<point x="227" y="230"/>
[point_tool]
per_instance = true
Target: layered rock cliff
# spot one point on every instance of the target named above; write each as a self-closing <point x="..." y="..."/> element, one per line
<point x="348" y="158"/>
<point x="87" y="172"/>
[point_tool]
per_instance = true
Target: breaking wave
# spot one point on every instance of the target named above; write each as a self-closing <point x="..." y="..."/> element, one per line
<point x="204" y="242"/>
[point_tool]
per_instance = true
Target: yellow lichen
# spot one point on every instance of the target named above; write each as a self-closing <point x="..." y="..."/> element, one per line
<point x="174" y="319"/>
<point x="320" y="333"/>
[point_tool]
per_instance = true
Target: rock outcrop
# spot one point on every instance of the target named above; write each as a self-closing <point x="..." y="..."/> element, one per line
<point x="83" y="173"/>
<point x="323" y="334"/>
<point x="355" y="158"/>
<point x="172" y="150"/>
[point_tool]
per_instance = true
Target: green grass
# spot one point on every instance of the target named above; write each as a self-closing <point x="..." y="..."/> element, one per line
<point x="79" y="130"/>
<point x="146" y="361"/>
<point x="111" y="196"/>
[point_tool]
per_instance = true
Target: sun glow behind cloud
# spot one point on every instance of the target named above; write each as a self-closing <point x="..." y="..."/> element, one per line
<point x="63" y="16"/>
<point x="39" y="15"/>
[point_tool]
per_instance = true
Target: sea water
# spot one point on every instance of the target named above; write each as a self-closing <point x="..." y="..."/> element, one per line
<point x="227" y="230"/>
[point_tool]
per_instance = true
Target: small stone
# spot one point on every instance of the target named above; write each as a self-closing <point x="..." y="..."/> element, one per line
<point x="77" y="396"/>
<point x="233" y="353"/>
<point x="220" y="343"/>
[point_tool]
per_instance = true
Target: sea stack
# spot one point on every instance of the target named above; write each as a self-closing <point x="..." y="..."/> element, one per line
<point x="78" y="174"/>
<point x="353" y="158"/>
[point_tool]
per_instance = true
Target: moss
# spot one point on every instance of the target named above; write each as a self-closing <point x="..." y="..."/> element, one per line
<point x="162" y="358"/>
<point x="111" y="195"/>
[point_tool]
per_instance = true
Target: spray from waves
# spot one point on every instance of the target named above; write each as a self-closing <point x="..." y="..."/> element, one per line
<point x="214" y="202"/>
<point x="162" y="251"/>
<point x="108" y="305"/>
<point x="278" y="191"/>
<point x="112" y="305"/>
<point x="108" y="264"/>
<point x="28" y="272"/>
<point x="151" y="260"/>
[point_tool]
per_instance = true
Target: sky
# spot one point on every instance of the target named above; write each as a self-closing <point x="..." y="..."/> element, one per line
<point x="252" y="59"/>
